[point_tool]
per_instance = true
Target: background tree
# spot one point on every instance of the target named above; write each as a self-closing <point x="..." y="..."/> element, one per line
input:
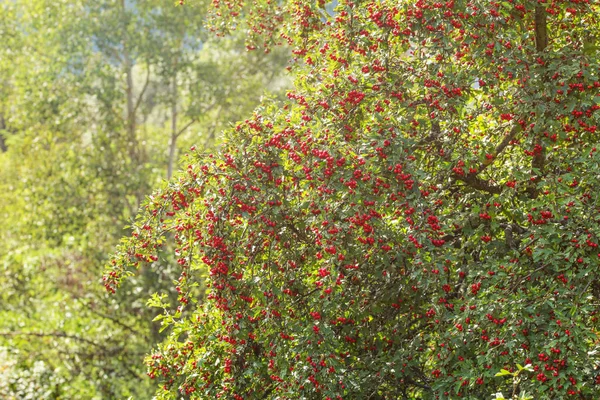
<point x="83" y="138"/>
<point x="418" y="221"/>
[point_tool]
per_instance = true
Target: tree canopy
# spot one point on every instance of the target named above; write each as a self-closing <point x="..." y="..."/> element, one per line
<point x="97" y="99"/>
<point x="419" y="220"/>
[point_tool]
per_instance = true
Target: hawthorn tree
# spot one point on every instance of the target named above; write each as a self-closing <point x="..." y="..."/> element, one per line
<point x="419" y="220"/>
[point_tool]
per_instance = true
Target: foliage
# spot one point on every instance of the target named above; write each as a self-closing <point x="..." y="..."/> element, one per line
<point x="84" y="90"/>
<point x="422" y="213"/>
<point x="516" y="380"/>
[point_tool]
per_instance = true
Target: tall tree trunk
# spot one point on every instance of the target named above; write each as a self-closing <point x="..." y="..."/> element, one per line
<point x="541" y="29"/>
<point x="130" y="105"/>
<point x="541" y="43"/>
<point x="129" y="92"/>
<point x="174" y="133"/>
<point x="3" y="147"/>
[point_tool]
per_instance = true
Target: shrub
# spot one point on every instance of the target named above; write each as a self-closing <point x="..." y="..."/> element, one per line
<point x="421" y="213"/>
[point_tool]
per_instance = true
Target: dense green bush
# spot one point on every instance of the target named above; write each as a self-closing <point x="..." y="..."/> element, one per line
<point x="422" y="214"/>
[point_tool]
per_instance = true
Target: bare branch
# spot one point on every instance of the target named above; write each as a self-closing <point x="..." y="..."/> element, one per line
<point x="55" y="334"/>
<point x="185" y="127"/>
<point x="117" y="322"/>
<point x="477" y="183"/>
<point x="500" y="148"/>
<point x="141" y="96"/>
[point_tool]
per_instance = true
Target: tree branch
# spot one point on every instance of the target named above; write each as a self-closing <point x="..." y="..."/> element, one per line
<point x="140" y="97"/>
<point x="56" y="334"/>
<point x="500" y="148"/>
<point x="477" y="183"/>
<point x="117" y="322"/>
<point x="182" y="130"/>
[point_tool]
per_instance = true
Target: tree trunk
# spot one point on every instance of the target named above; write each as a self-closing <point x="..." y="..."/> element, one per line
<point x="541" y="42"/>
<point x="3" y="147"/>
<point x="174" y="133"/>
<point x="541" y="29"/>
<point x="129" y="91"/>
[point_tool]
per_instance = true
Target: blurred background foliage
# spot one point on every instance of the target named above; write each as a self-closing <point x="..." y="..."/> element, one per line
<point x="98" y="98"/>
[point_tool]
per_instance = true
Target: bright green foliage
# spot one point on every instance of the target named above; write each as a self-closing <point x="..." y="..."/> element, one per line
<point x="84" y="90"/>
<point x="421" y="215"/>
